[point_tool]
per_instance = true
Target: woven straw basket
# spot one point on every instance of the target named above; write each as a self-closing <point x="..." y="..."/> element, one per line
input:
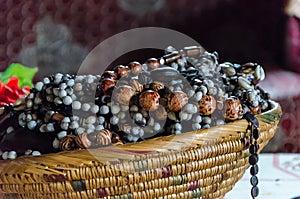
<point x="199" y="164"/>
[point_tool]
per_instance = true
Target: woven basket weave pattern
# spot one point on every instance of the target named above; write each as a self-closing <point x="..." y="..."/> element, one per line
<point x="200" y="164"/>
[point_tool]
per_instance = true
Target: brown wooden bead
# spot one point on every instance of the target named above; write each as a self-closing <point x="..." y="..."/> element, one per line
<point x="176" y="100"/>
<point x="256" y="109"/>
<point x="156" y="86"/>
<point x="104" y="137"/>
<point x="109" y="74"/>
<point x="68" y="143"/>
<point x="135" y="67"/>
<point x="149" y="100"/>
<point x="153" y="63"/>
<point x="85" y="142"/>
<point x="207" y="105"/>
<point x="116" y="139"/>
<point x="123" y="94"/>
<point x="233" y="108"/>
<point x="107" y="85"/>
<point x="121" y="70"/>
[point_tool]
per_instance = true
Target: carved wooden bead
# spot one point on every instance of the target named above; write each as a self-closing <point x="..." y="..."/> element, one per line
<point x="104" y="137"/>
<point x="107" y="85"/>
<point x="149" y="100"/>
<point x="68" y="143"/>
<point x="233" y="109"/>
<point x="156" y="86"/>
<point x="176" y="100"/>
<point x="123" y="94"/>
<point x="85" y="142"/>
<point x="207" y="105"/>
<point x="135" y="67"/>
<point x="121" y="70"/>
<point x="153" y="63"/>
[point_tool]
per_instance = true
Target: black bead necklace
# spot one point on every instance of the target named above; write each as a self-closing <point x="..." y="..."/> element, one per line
<point x="253" y="130"/>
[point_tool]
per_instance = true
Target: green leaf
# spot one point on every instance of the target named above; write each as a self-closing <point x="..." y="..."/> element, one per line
<point x="23" y="73"/>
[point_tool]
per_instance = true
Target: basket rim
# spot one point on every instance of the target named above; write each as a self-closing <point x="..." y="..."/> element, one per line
<point x="268" y="117"/>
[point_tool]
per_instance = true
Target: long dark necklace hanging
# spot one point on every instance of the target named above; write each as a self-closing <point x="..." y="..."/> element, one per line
<point x="253" y="149"/>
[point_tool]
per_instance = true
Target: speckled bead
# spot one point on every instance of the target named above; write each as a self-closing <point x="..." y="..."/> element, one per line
<point x="207" y="105"/>
<point x="123" y="94"/>
<point x="233" y="108"/>
<point x="177" y="100"/>
<point x="149" y="100"/>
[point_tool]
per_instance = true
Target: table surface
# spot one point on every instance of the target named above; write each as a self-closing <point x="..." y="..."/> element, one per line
<point x="279" y="178"/>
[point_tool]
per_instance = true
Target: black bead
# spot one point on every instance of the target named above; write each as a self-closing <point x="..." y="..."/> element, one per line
<point x="255" y="133"/>
<point x="253" y="159"/>
<point x="250" y="117"/>
<point x="254" y="180"/>
<point x="254" y="192"/>
<point x="254" y="170"/>
<point x="253" y="149"/>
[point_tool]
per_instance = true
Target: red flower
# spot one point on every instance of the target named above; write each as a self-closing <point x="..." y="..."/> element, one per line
<point x="11" y="91"/>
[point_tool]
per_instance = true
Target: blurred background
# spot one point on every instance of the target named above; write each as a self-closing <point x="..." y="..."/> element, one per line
<point x="56" y="35"/>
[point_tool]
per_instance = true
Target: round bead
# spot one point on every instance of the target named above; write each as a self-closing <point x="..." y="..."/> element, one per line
<point x="123" y="94"/>
<point x="62" y="134"/>
<point x="114" y="120"/>
<point x="253" y="159"/>
<point x="39" y="86"/>
<point x="152" y="63"/>
<point x="12" y="155"/>
<point x="76" y="105"/>
<point x="101" y="120"/>
<point x="176" y="100"/>
<point x="31" y="125"/>
<point x="109" y="74"/>
<point x="135" y="67"/>
<point x="36" y="153"/>
<point x="67" y="100"/>
<point x="156" y="86"/>
<point x="85" y="107"/>
<point x="115" y="109"/>
<point x="233" y="108"/>
<point x="107" y="85"/>
<point x="62" y="93"/>
<point x="94" y="108"/>
<point x="207" y="105"/>
<point x="149" y="100"/>
<point x="55" y="143"/>
<point x="121" y="71"/>
<point x="104" y="110"/>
